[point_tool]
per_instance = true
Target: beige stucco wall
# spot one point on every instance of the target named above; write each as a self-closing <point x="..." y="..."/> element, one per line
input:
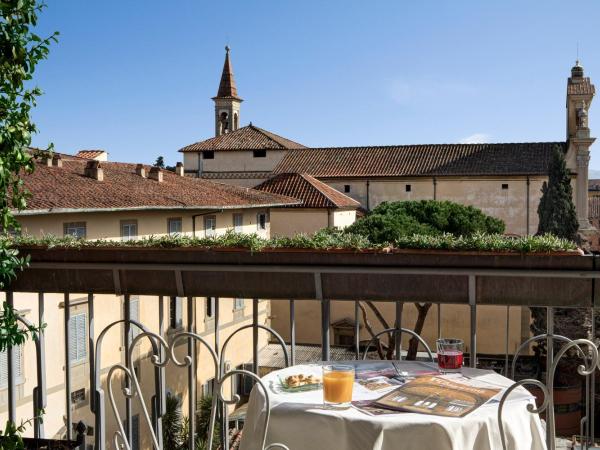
<point x="491" y="323"/>
<point x="485" y="193"/>
<point x="233" y="161"/>
<point x="107" y="225"/>
<point x="292" y="221"/>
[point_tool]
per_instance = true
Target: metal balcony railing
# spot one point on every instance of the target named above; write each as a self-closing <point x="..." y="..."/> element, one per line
<point x="64" y="276"/>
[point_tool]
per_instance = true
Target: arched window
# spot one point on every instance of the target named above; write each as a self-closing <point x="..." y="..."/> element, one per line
<point x="224" y="122"/>
<point x="235" y="121"/>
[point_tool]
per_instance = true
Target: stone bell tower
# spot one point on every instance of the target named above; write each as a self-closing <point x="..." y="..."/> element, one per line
<point x="580" y="92"/>
<point x="227" y="102"/>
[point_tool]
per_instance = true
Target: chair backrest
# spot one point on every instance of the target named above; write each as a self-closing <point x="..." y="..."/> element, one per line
<point x="400" y="331"/>
<point x="235" y="399"/>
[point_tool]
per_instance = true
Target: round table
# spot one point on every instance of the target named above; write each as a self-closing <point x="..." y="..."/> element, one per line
<point x="300" y="421"/>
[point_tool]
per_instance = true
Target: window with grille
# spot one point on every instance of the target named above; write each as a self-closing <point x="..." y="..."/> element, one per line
<point x="175" y="312"/>
<point x="18" y="358"/>
<point x="207" y="388"/>
<point x="129" y="230"/>
<point x="175" y="225"/>
<point x="238" y="303"/>
<point x="78" y="338"/>
<point x="134" y="314"/>
<point x="75" y="229"/>
<point x="261" y="221"/>
<point x="210" y="226"/>
<point x="210" y="307"/>
<point x="238" y="223"/>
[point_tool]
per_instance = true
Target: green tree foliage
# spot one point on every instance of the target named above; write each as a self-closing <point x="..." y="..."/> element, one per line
<point x="391" y="221"/>
<point x="160" y="162"/>
<point x="176" y="425"/>
<point x="556" y="211"/>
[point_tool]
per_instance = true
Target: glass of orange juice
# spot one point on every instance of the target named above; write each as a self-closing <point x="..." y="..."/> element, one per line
<point x="337" y="385"/>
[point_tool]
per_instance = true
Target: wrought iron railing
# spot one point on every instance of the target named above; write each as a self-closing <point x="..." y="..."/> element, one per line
<point x="215" y="354"/>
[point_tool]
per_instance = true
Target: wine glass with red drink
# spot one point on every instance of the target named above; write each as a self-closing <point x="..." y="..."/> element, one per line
<point x="450" y="355"/>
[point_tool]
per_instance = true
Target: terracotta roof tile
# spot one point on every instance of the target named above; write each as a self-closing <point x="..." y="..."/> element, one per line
<point x="312" y="192"/>
<point x="245" y="138"/>
<point x="421" y="160"/>
<point x="59" y="188"/>
<point x="89" y="154"/>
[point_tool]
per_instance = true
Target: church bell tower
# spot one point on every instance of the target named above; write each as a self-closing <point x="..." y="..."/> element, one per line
<point x="227" y="102"/>
<point x="580" y="92"/>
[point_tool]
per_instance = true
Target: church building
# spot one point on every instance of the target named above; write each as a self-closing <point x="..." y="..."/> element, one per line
<point x="502" y="179"/>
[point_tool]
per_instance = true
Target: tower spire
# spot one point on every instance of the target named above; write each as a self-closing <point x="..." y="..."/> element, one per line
<point x="227" y="102"/>
<point x="227" y="88"/>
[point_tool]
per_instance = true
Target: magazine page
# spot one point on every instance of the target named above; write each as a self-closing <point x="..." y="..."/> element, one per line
<point x="437" y="395"/>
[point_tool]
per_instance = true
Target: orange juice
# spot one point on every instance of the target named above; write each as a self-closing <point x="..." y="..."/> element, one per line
<point x="337" y="384"/>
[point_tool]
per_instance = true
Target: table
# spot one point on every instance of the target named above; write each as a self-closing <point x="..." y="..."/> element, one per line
<point x="300" y="421"/>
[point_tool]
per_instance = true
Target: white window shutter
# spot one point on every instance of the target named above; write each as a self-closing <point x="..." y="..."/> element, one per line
<point x="134" y="314"/>
<point x="3" y="370"/>
<point x="178" y="311"/>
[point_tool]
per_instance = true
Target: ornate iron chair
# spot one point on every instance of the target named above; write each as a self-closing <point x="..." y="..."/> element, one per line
<point x="548" y="401"/>
<point x="393" y="331"/>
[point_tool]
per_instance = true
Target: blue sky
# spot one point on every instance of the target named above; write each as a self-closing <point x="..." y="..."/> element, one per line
<point x="135" y="77"/>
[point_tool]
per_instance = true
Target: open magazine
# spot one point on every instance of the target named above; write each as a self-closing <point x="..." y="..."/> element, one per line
<point x="436" y="395"/>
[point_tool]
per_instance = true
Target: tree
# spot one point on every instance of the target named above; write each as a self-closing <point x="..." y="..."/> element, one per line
<point x="557" y="215"/>
<point x="392" y="220"/>
<point x="160" y="162"/>
<point x="556" y="211"/>
<point x="20" y="52"/>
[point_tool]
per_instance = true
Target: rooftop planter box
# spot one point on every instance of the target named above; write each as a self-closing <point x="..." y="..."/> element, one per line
<point x="555" y="279"/>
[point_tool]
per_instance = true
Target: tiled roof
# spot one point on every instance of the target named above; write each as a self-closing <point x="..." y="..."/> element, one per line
<point x="594" y="207"/>
<point x="594" y="184"/>
<point x="227" y="87"/>
<point x="66" y="188"/>
<point x="245" y="138"/>
<point x="581" y="86"/>
<point x="312" y="192"/>
<point x="422" y="160"/>
<point x="89" y="154"/>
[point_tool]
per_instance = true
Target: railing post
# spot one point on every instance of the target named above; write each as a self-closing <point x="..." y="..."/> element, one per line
<point x="191" y="347"/>
<point x="129" y="365"/>
<point x="255" y="335"/>
<point x="356" y="330"/>
<point x="292" y="333"/>
<point x="12" y="385"/>
<point x="40" y="390"/>
<point x="549" y="363"/>
<point x="325" y="317"/>
<point x="439" y="320"/>
<point x="67" y="305"/>
<point x="92" y="353"/>
<point x="506" y="341"/>
<point x="160" y="401"/>
<point x="473" y="307"/>
<point x="398" y="335"/>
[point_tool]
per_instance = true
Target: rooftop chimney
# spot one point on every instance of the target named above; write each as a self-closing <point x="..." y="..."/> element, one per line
<point x="46" y="159"/>
<point x="57" y="160"/>
<point x="93" y="169"/>
<point x="140" y="170"/>
<point x="156" y="174"/>
<point x="179" y="169"/>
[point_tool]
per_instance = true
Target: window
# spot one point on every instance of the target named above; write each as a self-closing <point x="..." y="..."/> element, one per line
<point x="210" y="307"/>
<point x="18" y="358"/>
<point x="238" y="222"/>
<point x="78" y="396"/>
<point x="260" y="153"/>
<point x="207" y="388"/>
<point x="346" y="188"/>
<point x="235" y="121"/>
<point x="78" y="338"/>
<point x="210" y="226"/>
<point x="504" y="186"/>
<point x="261" y="221"/>
<point x="408" y="188"/>
<point x="208" y="154"/>
<point x="129" y="230"/>
<point x="238" y="304"/>
<point x="174" y="225"/>
<point x="75" y="229"/>
<point x="135" y="431"/>
<point x="175" y="315"/>
<point x="134" y="314"/>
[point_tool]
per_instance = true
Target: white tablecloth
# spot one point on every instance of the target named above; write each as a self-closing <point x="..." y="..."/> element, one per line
<point x="300" y="421"/>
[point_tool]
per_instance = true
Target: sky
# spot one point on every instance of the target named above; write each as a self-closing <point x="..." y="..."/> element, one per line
<point x="135" y="78"/>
